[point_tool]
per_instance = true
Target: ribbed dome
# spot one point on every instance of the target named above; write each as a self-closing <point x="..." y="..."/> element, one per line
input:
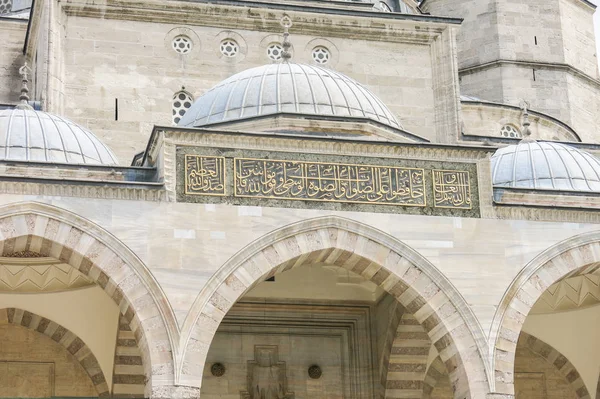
<point x="287" y="88"/>
<point x="28" y="135"/>
<point x="541" y="165"/>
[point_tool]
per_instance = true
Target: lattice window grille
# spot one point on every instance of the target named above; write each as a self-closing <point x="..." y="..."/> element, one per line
<point x="509" y="131"/>
<point x="229" y="48"/>
<point x="182" y="101"/>
<point x="274" y="51"/>
<point x="182" y="44"/>
<point x="321" y="55"/>
<point x="5" y="6"/>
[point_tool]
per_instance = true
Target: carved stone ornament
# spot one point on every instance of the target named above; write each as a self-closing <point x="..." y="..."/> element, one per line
<point x="315" y="372"/>
<point x="266" y="375"/>
<point x="217" y="369"/>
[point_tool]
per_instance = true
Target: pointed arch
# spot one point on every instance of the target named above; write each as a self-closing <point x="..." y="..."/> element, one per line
<point x="64" y="337"/>
<point x="576" y="255"/>
<point x="436" y="373"/>
<point x="411" y="279"/>
<point x="54" y="232"/>
<point x="408" y="359"/>
<point x="558" y="360"/>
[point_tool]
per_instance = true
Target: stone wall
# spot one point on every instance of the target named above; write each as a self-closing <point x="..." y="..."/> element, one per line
<point x="540" y="51"/>
<point x="120" y="75"/>
<point x="33" y="365"/>
<point x="12" y="37"/>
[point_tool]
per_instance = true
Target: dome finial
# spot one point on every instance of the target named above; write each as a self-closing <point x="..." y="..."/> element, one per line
<point x="24" y="97"/>
<point x="286" y="22"/>
<point x="526" y="123"/>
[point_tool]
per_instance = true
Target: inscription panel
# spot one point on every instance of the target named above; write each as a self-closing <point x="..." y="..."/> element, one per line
<point x="350" y="183"/>
<point x="204" y="175"/>
<point x="451" y="189"/>
<point x="316" y="181"/>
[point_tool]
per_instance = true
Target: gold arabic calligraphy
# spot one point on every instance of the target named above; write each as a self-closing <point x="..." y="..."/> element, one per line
<point x="316" y="181"/>
<point x="451" y="189"/>
<point x="204" y="175"/>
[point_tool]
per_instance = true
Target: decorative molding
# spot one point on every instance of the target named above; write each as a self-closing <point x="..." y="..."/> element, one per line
<point x="234" y="15"/>
<point x="37" y="274"/>
<point x="23" y="254"/>
<point x="569" y="293"/>
<point x="64" y="337"/>
<point x="531" y="64"/>
<point x="75" y="188"/>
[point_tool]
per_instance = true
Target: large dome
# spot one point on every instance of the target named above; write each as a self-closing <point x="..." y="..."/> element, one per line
<point x="287" y="88"/>
<point x="542" y="165"/>
<point x="28" y="135"/>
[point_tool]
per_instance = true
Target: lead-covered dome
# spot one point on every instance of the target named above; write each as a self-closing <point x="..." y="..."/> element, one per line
<point x="28" y="135"/>
<point x="287" y="88"/>
<point x="544" y="165"/>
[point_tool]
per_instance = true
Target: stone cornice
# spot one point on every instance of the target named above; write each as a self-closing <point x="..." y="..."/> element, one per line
<point x="542" y="115"/>
<point x="288" y="143"/>
<point x="530" y="64"/>
<point x="52" y="187"/>
<point x="257" y="16"/>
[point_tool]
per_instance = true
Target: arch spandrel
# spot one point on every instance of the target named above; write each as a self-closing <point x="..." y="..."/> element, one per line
<point x="576" y="255"/>
<point x="54" y="232"/>
<point x="378" y="257"/>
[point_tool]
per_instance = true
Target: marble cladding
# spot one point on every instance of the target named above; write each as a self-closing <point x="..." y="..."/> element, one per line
<point x="480" y="257"/>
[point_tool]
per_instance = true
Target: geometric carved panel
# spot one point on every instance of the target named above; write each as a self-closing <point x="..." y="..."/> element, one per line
<point x="39" y="275"/>
<point x="571" y="293"/>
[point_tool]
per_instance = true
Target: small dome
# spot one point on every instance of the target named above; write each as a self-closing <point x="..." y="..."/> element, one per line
<point x="544" y="165"/>
<point x="287" y="88"/>
<point x="28" y="135"/>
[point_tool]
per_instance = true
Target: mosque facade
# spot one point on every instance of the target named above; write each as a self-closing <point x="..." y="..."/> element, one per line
<point x="320" y="199"/>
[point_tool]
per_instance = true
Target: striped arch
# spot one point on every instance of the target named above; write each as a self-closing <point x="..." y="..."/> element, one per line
<point x="412" y="280"/>
<point x="574" y="256"/>
<point x="59" y="334"/>
<point x="57" y="233"/>
<point x="384" y="364"/>
<point x="436" y="376"/>
<point x="408" y="360"/>
<point x="128" y="370"/>
<point x="558" y="360"/>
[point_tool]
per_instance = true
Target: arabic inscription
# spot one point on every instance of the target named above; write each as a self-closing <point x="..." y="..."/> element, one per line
<point x="315" y="181"/>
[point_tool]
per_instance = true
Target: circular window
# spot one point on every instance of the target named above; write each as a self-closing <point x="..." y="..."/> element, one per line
<point x="182" y="44"/>
<point x="274" y="51"/>
<point x="321" y="55"/>
<point x="509" y="131"/>
<point x="182" y="101"/>
<point x="229" y="48"/>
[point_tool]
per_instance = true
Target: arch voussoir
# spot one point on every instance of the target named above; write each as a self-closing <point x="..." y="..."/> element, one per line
<point x="574" y="256"/>
<point x="346" y="244"/>
<point x="52" y="232"/>
<point x="74" y="345"/>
